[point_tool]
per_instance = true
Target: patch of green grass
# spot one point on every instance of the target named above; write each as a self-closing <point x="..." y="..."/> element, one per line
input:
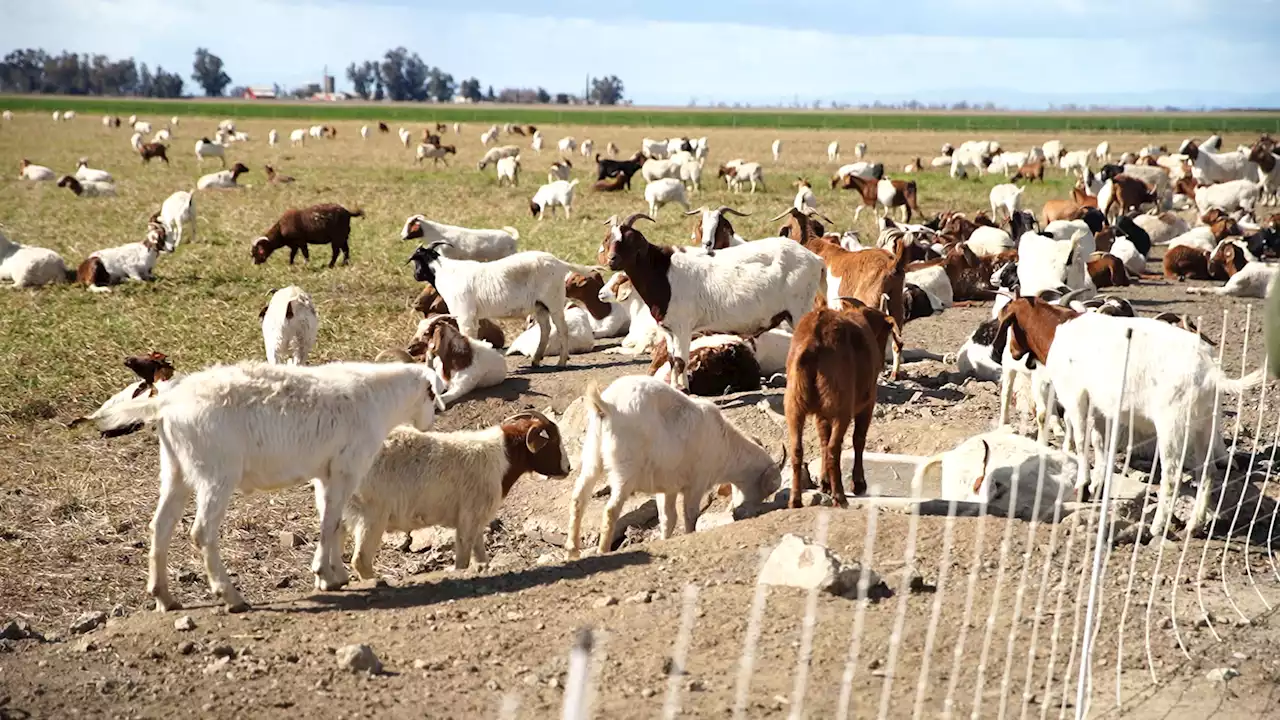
<point x="646" y="117"/>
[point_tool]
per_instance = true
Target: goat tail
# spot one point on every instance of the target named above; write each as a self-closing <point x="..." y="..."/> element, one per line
<point x="1235" y="386"/>
<point x="132" y="412"/>
<point x="596" y="404"/>
<point x="356" y="212"/>
<point x="514" y="233"/>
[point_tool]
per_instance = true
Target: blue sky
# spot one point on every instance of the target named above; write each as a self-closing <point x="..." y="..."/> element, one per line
<point x="1019" y="53"/>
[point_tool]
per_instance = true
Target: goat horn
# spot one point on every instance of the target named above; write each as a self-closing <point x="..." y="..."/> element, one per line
<point x="1072" y="295"/>
<point x="526" y="413"/>
<point x="731" y="211"/>
<point x="696" y="211"/>
<point x="437" y="243"/>
<point x="781" y="215"/>
<point x="612" y="220"/>
<point x="636" y="216"/>
<point x="813" y="212"/>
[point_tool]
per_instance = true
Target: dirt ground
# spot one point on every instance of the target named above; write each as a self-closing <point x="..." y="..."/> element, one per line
<point x="460" y="645"/>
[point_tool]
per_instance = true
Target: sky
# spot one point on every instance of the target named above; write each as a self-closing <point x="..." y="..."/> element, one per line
<point x="1016" y="53"/>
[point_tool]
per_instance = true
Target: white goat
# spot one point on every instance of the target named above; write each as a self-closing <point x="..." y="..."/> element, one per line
<point x="38" y="173"/>
<point x="1254" y="281"/>
<point x="273" y="137"/>
<point x="1162" y="228"/>
<point x="1212" y="167"/>
<point x="84" y="172"/>
<point x="1076" y="161"/>
<point x="691" y="175"/>
<point x="657" y="169"/>
<point x="552" y="194"/>
<point x="289" y="326"/>
<point x="177" y="214"/>
<point x="364" y="132"/>
<point x="663" y="192"/>
<point x="530" y="282"/>
<point x="142" y="127"/>
<point x="26" y="266"/>
<point x="299" y="137"/>
<point x="777" y="149"/>
<point x="132" y="261"/>
<point x="656" y="149"/>
<point x="509" y="170"/>
<point x="993" y="467"/>
<point x="1102" y="153"/>
<point x="205" y="148"/>
<point x="453" y="480"/>
<point x="464" y="363"/>
<point x="257" y="426"/>
<point x="582" y="337"/>
<point x="493" y="155"/>
<point x="463" y="243"/>
<point x="1006" y="198"/>
<point x="489" y="136"/>
<point x="1172" y="383"/>
<point x="860" y="150"/>
<point x="644" y="436"/>
<point x="587" y="148"/>
<point x="536" y="142"/>
<point x="642" y="330"/>
<point x="738" y="289"/>
<point x="1228" y="196"/>
<point x="833" y="151"/>
<point x="750" y="172"/>
<point x="567" y="145"/>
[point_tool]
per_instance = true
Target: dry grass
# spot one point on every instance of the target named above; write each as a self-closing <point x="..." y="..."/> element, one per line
<point x="74" y="509"/>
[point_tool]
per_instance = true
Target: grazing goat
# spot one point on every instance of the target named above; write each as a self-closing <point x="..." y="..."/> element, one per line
<point x="557" y="193"/>
<point x="509" y="171"/>
<point x="739" y="175"/>
<point x="258" y="426"/>
<point x="463" y="243"/>
<point x="831" y="374"/>
<point x="289" y="326"/>
<point x="664" y="192"/>
<point x="456" y="480"/>
<point x="437" y="153"/>
<point x="697" y="449"/>
<point x="739" y="289"/>
<point x="530" y="282"/>
<point x="495" y="154"/>
<point x="325" y="224"/>
<point x="177" y="214"/>
<point x="559" y="170"/>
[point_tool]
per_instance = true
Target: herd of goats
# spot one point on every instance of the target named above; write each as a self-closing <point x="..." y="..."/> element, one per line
<point x="823" y="310"/>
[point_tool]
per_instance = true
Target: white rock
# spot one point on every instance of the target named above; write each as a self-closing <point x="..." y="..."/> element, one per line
<point x="358" y="658"/>
<point x="795" y="562"/>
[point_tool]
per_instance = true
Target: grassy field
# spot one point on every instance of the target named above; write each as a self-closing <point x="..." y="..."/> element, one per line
<point x="62" y="346"/>
<point x="674" y="117"/>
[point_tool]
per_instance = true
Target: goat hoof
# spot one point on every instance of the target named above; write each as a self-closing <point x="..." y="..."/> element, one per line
<point x="167" y="605"/>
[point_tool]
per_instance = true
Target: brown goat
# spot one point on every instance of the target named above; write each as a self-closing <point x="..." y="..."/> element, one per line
<point x="382" y="127"/>
<point x="152" y="150"/>
<point x="873" y="276"/>
<point x="585" y="289"/>
<point x="275" y="178"/>
<point x="326" y="224"/>
<point x="831" y="374"/>
<point x="1226" y="260"/>
<point x="1186" y="185"/>
<point x="716" y="369"/>
<point x="1060" y="210"/>
<point x="1186" y="263"/>
<point x="1131" y="193"/>
<point x="613" y="183"/>
<point x="969" y="274"/>
<point x="1107" y="270"/>
<point x="904" y="195"/>
<point x="1028" y="325"/>
<point x="1081" y="197"/>
<point x="1030" y="172"/>
<point x="430" y="304"/>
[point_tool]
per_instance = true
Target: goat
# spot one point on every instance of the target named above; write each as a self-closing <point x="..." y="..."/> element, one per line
<point x="289" y="326"/>
<point x="267" y="427"/>
<point x="831" y="374"/>
<point x="26" y="266"/>
<point x="463" y="362"/>
<point x="552" y="194"/>
<point x="430" y="304"/>
<point x="132" y="261"/>
<point x="698" y="450"/>
<point x="1252" y="281"/>
<point x="87" y="188"/>
<point x="509" y="171"/>
<point x="463" y="243"/>
<point x="530" y="282"/>
<point x="325" y="224"/>
<point x="223" y="179"/>
<point x="665" y="191"/>
<point x="437" y="153"/>
<point x="207" y="148"/>
<point x="738" y="289"/>
<point x="456" y="480"/>
<point x="884" y="193"/>
<point x="559" y="170"/>
<point x="718" y="364"/>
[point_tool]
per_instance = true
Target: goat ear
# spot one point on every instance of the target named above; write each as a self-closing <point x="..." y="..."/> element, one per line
<point x="536" y="439"/>
<point x="262" y="313"/>
<point x="982" y="474"/>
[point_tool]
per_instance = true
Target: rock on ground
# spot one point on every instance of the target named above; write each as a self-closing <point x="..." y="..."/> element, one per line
<point x="358" y="658"/>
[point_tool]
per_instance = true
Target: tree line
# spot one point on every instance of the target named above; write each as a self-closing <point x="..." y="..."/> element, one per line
<point x="399" y="75"/>
<point x="402" y="76"/>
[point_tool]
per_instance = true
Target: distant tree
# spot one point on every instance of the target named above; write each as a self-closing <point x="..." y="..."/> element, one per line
<point x="416" y="73"/>
<point x="489" y="95"/>
<point x="544" y="97"/>
<point x="166" y="84"/>
<point x="606" y="90"/>
<point x="362" y="78"/>
<point x="208" y="74"/>
<point x="306" y="91"/>
<point x="146" y="82"/>
<point x="391" y="72"/>
<point x="470" y="89"/>
<point x="562" y="98"/>
<point x="23" y="71"/>
<point x="440" y="85"/>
